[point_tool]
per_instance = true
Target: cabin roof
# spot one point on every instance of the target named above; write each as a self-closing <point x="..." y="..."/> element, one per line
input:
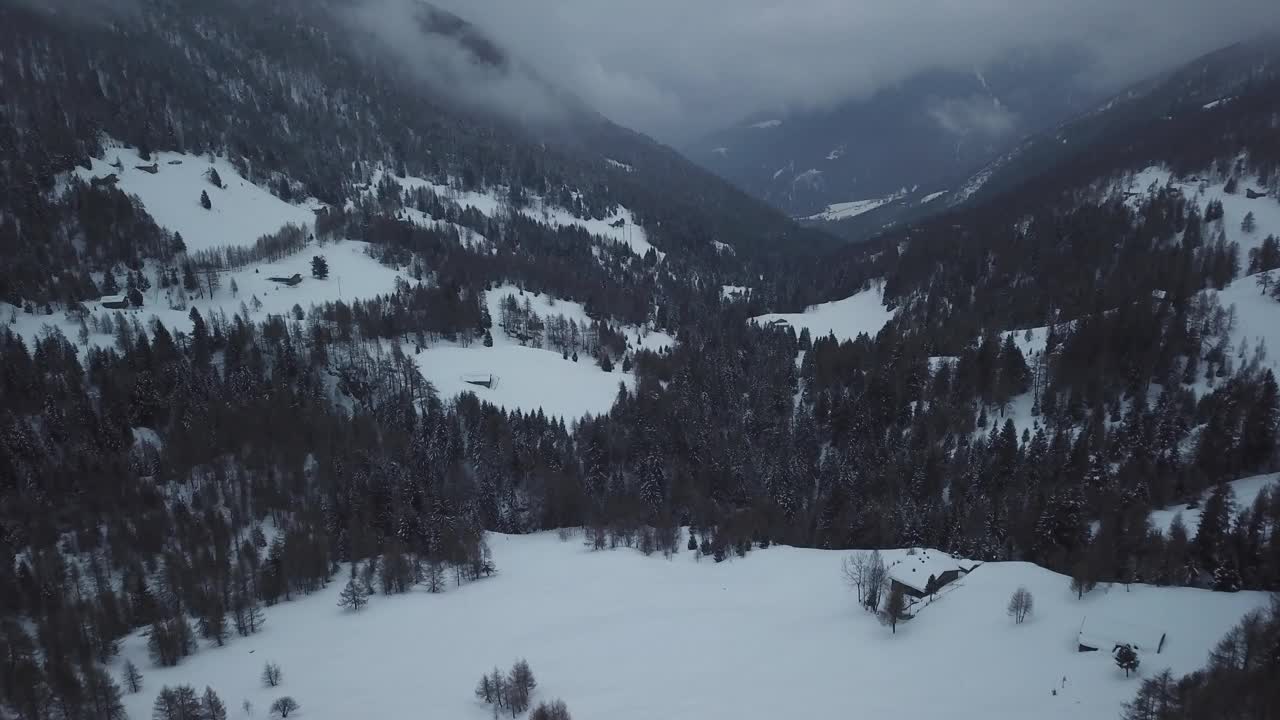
<point x="1104" y="633"/>
<point x="915" y="570"/>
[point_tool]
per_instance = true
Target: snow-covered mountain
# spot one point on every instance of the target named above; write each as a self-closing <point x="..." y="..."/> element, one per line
<point x="924" y="134"/>
<point x="303" y="303"/>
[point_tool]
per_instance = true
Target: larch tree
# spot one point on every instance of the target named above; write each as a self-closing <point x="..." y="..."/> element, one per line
<point x="353" y="595"/>
<point x="895" y="608"/>
<point x="520" y="687"/>
<point x="132" y="677"/>
<point x="213" y="707"/>
<point x="272" y="675"/>
<point x="554" y="710"/>
<point x="282" y="707"/>
<point x="1020" y="605"/>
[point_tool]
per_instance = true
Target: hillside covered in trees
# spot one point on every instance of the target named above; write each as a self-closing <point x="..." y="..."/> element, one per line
<point x="178" y="476"/>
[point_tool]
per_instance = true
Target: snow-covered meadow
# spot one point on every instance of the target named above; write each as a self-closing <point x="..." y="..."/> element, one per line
<point x="533" y="378"/>
<point x="775" y="634"/>
<point x="863" y="312"/>
<point x="239" y="213"/>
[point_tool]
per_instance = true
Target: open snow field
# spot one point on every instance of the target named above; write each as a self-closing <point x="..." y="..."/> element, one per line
<point x="1245" y="489"/>
<point x="240" y="211"/>
<point x="1266" y="211"/>
<point x="530" y="378"/>
<point x="1257" y="317"/>
<point x="619" y="635"/>
<point x="846" y="319"/>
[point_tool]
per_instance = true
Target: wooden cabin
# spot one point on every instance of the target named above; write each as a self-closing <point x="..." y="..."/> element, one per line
<point x="290" y="281"/>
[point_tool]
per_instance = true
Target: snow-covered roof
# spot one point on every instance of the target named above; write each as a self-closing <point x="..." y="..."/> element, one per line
<point x="111" y="299"/>
<point x="1104" y="633"/>
<point x="915" y="569"/>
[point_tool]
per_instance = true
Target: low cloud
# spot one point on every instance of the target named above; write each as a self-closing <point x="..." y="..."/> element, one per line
<point x="455" y="59"/>
<point x="676" y="68"/>
<point x="976" y="115"/>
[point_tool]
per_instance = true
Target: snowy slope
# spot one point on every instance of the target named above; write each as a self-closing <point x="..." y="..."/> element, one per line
<point x="1245" y="489"/>
<point x="531" y="378"/>
<point x="774" y="635"/>
<point x="621" y="227"/>
<point x="352" y="274"/>
<point x="844" y="210"/>
<point x="241" y="212"/>
<point x="1235" y="206"/>
<point x="861" y="313"/>
<point x="1257" y="318"/>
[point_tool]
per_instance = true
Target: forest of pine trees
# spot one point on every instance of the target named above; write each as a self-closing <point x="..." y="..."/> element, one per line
<point x="181" y="479"/>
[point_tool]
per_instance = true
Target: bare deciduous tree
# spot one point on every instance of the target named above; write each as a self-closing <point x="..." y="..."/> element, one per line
<point x="271" y="675"/>
<point x="433" y="576"/>
<point x="132" y="677"/>
<point x="283" y="706"/>
<point x="1020" y="605"/>
<point x="867" y="575"/>
<point x="520" y="686"/>
<point x="554" y="710"/>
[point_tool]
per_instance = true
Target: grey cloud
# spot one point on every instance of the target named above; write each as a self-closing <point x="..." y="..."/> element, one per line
<point x="977" y="114"/>
<point x="455" y="59"/>
<point x="677" y="68"/>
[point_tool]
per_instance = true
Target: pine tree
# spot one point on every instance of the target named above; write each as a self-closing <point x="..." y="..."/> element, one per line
<point x="319" y="267"/>
<point x="1248" y="225"/>
<point x="353" y="595"/>
<point x="1127" y="659"/>
<point x="205" y="202"/>
<point x="1261" y="423"/>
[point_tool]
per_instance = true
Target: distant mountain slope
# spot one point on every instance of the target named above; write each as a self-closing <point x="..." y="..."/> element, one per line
<point x="920" y="136"/>
<point x="1167" y="106"/>
<point x="1165" y="118"/>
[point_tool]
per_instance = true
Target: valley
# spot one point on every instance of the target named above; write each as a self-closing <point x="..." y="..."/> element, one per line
<point x="354" y="351"/>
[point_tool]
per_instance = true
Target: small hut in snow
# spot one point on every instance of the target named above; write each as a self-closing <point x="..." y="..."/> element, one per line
<point x="484" y="380"/>
<point x="1102" y="633"/>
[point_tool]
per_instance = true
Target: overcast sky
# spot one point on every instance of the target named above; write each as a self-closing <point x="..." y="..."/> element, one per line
<point x="678" y="68"/>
